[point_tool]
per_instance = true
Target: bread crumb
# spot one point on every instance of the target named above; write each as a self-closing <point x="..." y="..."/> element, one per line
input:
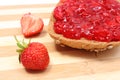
<point x="110" y="47"/>
<point x="57" y="42"/>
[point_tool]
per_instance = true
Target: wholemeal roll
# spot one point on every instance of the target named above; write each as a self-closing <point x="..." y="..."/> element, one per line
<point x="82" y="43"/>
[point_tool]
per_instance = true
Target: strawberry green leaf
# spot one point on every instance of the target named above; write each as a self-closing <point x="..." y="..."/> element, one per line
<point x="20" y="45"/>
<point x="19" y="58"/>
<point x="19" y="51"/>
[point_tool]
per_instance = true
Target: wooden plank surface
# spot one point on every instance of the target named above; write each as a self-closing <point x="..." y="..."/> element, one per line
<point x="65" y="63"/>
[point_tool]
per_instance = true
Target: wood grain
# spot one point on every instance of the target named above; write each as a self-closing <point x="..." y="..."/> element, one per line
<point x="18" y="16"/>
<point x="65" y="63"/>
<point x="27" y="6"/>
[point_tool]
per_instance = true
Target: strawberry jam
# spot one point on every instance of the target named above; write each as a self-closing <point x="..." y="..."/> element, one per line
<point x="90" y="19"/>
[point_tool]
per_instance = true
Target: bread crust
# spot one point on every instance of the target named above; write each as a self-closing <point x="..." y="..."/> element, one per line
<point x="83" y="43"/>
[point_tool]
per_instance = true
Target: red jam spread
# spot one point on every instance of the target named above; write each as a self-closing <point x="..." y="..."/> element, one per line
<point x="90" y="19"/>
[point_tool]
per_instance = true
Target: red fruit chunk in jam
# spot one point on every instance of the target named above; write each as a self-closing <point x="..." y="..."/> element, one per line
<point x="101" y="34"/>
<point x="90" y="19"/>
<point x="59" y="27"/>
<point x="116" y="33"/>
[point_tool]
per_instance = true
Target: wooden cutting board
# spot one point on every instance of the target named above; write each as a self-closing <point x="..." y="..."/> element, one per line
<point x="65" y="63"/>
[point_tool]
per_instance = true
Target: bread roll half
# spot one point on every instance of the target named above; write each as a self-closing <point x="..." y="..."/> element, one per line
<point x="83" y="43"/>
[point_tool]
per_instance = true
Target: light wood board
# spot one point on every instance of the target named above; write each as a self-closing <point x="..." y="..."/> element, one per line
<point x="65" y="63"/>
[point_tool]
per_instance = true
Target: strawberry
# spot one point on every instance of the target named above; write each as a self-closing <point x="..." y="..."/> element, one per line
<point x="31" y="25"/>
<point x="33" y="56"/>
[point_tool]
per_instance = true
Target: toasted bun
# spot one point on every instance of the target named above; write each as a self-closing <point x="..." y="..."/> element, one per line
<point x="83" y="43"/>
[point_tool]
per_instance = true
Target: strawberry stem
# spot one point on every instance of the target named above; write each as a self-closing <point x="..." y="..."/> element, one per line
<point x="22" y="44"/>
<point x="29" y="41"/>
<point x="19" y="44"/>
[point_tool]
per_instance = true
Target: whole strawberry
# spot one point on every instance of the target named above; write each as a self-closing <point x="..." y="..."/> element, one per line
<point x="33" y="55"/>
